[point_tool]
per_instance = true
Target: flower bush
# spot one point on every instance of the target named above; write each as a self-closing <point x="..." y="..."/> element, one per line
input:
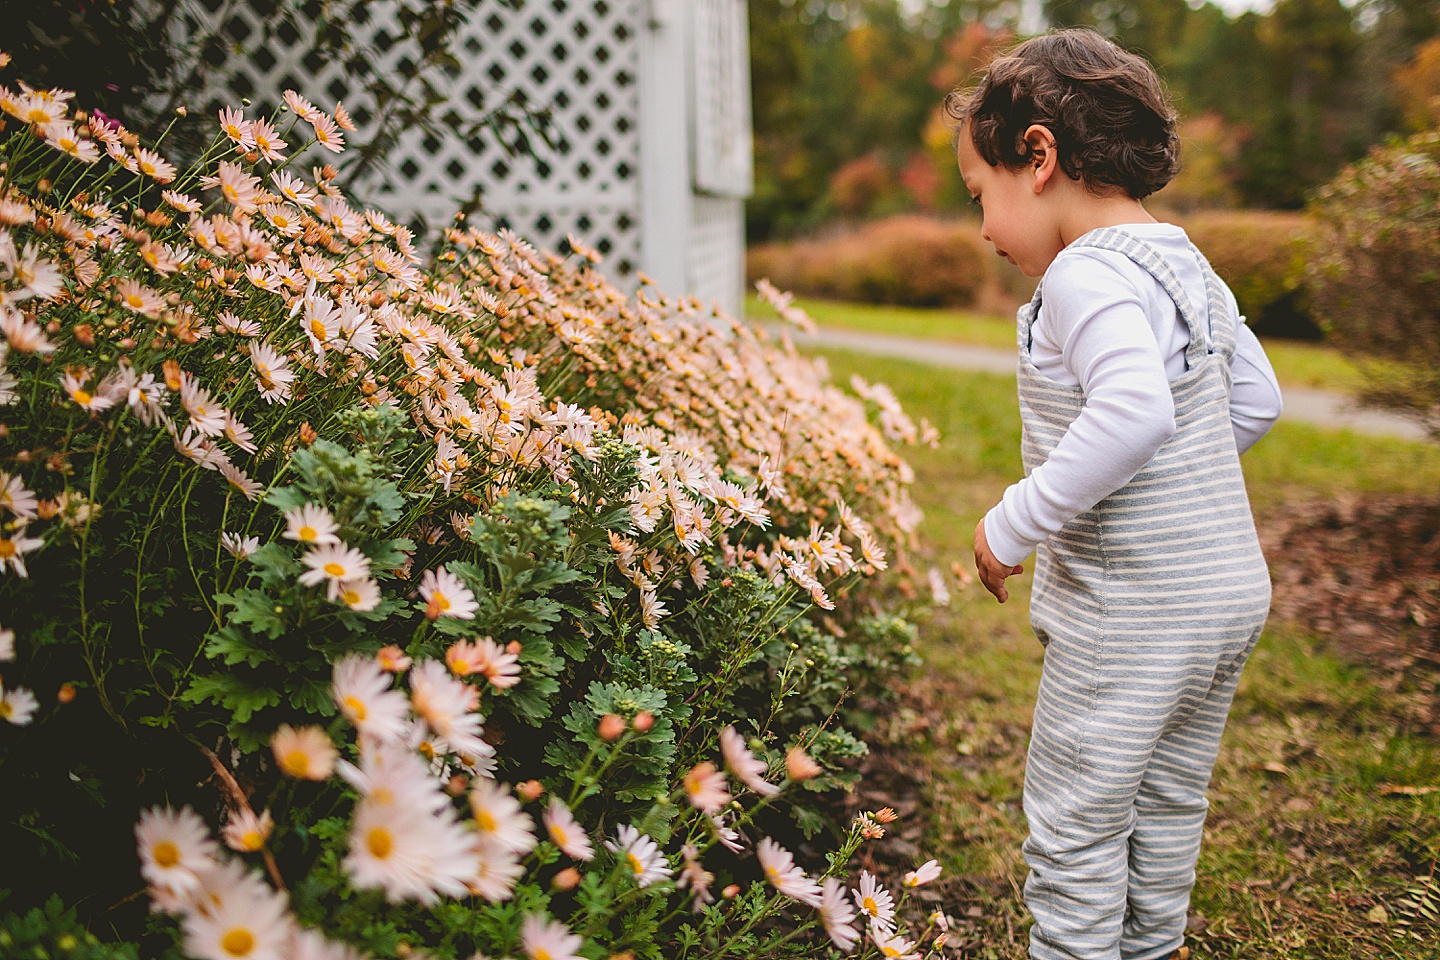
<point x="312" y="547"/>
<point x="1372" y="271"/>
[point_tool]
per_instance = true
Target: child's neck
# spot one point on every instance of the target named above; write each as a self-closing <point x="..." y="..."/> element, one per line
<point x="1088" y="212"/>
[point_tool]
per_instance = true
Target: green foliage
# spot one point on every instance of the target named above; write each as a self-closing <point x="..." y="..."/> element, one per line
<point x="52" y="932"/>
<point x="1372" y="271"/>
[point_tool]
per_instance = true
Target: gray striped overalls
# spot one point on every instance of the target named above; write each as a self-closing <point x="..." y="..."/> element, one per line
<point x="1148" y="605"/>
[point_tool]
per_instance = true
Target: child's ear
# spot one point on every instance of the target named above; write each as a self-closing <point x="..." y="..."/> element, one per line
<point x="1044" y="160"/>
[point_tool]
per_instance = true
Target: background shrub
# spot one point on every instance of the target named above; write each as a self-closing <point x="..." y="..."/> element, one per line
<point x="904" y="260"/>
<point x="1372" y="271"/>
<point x="1257" y="253"/>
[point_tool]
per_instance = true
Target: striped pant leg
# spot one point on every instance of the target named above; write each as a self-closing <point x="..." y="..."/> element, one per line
<point x="1082" y="773"/>
<point x="1170" y="809"/>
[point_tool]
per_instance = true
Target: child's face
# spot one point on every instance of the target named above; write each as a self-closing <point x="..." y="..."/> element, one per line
<point x="1016" y="219"/>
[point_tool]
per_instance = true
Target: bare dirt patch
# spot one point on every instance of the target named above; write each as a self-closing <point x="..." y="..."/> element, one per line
<point x="1363" y="572"/>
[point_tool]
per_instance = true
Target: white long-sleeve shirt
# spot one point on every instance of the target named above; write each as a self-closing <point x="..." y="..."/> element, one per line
<point x="1107" y="326"/>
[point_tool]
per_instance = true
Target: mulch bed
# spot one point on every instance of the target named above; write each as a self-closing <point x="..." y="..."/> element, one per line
<point x="1362" y="572"/>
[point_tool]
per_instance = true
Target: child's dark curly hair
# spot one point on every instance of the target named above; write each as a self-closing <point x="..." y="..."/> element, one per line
<point x="1113" y="126"/>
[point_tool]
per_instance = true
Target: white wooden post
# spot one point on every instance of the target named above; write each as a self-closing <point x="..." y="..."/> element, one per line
<point x="664" y="143"/>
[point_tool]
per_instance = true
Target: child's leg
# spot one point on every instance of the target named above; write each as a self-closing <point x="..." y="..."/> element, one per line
<point x="1089" y="747"/>
<point x="1170" y="809"/>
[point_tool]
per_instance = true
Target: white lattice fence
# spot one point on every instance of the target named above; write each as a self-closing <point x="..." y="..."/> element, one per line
<point x="576" y="56"/>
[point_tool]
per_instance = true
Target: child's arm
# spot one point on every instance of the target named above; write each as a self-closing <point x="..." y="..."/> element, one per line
<point x="1255" y="402"/>
<point x="1098" y="316"/>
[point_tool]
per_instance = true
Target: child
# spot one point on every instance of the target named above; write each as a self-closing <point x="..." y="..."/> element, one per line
<point x="1139" y="388"/>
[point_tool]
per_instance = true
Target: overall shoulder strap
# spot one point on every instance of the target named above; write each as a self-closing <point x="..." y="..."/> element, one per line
<point x="1222" y="326"/>
<point x="1152" y="261"/>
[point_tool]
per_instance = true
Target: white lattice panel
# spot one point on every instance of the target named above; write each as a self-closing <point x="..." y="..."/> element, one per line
<point x="721" y="59"/>
<point x="716" y="261"/>
<point x="578" y="57"/>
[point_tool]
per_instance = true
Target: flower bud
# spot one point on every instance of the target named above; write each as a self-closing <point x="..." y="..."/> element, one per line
<point x="643" y="721"/>
<point x="611" y="726"/>
<point x="530" y="790"/>
<point x="514" y="647"/>
<point x="885" y="815"/>
<point x="567" y="879"/>
<point x="66" y="693"/>
<point x="731" y="892"/>
<point x="455" y="786"/>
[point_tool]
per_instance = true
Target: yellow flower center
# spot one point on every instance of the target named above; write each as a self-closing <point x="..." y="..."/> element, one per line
<point x="252" y="840"/>
<point x="82" y="397"/>
<point x="351" y="598"/>
<point x="870" y="906"/>
<point x="890" y="951"/>
<point x="135" y="300"/>
<point x="380" y="842"/>
<point x="540" y="954"/>
<point x="334" y="569"/>
<point x="485" y="820"/>
<point x="146" y="167"/>
<point x="460" y="667"/>
<point x="353" y="705"/>
<point x="443" y="602"/>
<point x="7" y="549"/>
<point x="234" y="131"/>
<point x="772" y="872"/>
<point x="318" y="329"/>
<point x="238" y="942"/>
<point x="306" y="533"/>
<point x="165" y="854"/>
<point x="557" y="833"/>
<point x="6" y="709"/>
<point x="296" y="763"/>
<point x="635" y="865"/>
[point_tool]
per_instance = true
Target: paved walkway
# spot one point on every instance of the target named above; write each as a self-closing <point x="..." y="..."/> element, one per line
<point x="1335" y="411"/>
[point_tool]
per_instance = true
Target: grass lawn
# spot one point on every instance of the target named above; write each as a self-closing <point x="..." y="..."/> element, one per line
<point x="1296" y="363"/>
<point x="1308" y="853"/>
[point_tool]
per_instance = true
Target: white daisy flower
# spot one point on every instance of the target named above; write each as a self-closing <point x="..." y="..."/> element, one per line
<point x="239" y="547"/>
<point x="363" y="693"/>
<point x="74" y="385"/>
<point x="568" y="835"/>
<point x="837" y="914"/>
<point x="411" y="854"/>
<point x="499" y="821"/>
<point x="446" y="596"/>
<point x="15" y="498"/>
<point x="923" y="874"/>
<point x="448" y="706"/>
<point x="175" y="848"/>
<point x="245" y="832"/>
<point x="787" y="878"/>
<point x="206" y="416"/>
<point x="705" y="786"/>
<point x="305" y="753"/>
<point x="496" y="876"/>
<point x="875" y="902"/>
<point x="545" y="939"/>
<point x="250" y="922"/>
<point x="7" y="645"/>
<point x="359" y="595"/>
<point x="641" y="854"/>
<point x="13" y="550"/>
<point x="312" y="524"/>
<point x="273" y="375"/>
<point x="334" y="563"/>
<point x="743" y="765"/>
<point x="891" y="945"/>
<point x="17" y="706"/>
<point x="240" y="481"/>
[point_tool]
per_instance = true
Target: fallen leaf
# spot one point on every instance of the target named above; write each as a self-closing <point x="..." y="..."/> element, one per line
<point x="1275" y="766"/>
<point x="1378" y="914"/>
<point x="1404" y="790"/>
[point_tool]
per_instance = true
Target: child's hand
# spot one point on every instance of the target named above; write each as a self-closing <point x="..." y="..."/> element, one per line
<point x="992" y="572"/>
